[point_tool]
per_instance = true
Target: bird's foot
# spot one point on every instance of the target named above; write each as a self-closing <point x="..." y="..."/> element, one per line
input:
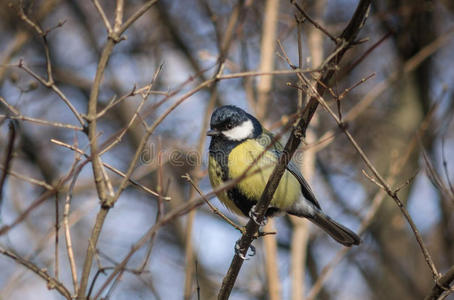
<point x="239" y="251"/>
<point x="254" y="216"/>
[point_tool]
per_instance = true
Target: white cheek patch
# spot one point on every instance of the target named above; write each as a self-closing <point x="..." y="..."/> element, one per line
<point x="240" y="132"/>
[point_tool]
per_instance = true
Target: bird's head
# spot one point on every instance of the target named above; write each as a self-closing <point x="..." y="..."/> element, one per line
<point x="234" y="124"/>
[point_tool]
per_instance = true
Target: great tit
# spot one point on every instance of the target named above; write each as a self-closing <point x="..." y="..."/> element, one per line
<point x="237" y="139"/>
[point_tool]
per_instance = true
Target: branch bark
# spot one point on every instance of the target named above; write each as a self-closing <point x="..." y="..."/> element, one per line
<point x="52" y="283"/>
<point x="443" y="284"/>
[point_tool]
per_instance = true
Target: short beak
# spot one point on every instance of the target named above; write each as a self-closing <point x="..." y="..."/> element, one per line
<point x="213" y="132"/>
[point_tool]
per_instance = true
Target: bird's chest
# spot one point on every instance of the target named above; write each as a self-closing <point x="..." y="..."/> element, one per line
<point x="252" y="185"/>
<point x="249" y="157"/>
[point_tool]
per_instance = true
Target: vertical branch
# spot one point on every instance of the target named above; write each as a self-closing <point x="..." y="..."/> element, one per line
<point x="267" y="56"/>
<point x="300" y="231"/>
<point x="67" y="207"/>
<point x="189" y="270"/>
<point x="100" y="181"/>
<point x="96" y="166"/>
<point x="271" y="265"/>
<point x="57" y="229"/>
<point x="160" y="207"/>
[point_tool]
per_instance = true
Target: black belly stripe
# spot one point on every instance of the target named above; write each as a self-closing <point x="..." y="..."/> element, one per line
<point x="245" y="204"/>
<point x="241" y="201"/>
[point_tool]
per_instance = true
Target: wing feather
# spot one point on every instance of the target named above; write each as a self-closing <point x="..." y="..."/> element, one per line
<point x="265" y="139"/>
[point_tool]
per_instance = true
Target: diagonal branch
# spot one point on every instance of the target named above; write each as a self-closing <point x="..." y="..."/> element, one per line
<point x="8" y="158"/>
<point x="443" y="284"/>
<point x="52" y="283"/>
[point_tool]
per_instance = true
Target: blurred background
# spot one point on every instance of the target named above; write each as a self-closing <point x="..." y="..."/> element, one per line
<point x="401" y="114"/>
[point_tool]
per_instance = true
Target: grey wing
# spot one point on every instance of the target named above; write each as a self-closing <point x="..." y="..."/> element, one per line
<point x="305" y="188"/>
<point x="293" y="168"/>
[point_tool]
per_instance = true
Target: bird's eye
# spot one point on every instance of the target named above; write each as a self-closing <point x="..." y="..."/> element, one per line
<point x="229" y="126"/>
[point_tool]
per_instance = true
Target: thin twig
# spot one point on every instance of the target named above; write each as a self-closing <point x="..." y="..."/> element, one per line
<point x="113" y="169"/>
<point x="365" y="54"/>
<point x="372" y="179"/>
<point x="258" y="73"/>
<point x="37" y="182"/>
<point x="50" y="83"/>
<point x="9" y="106"/>
<point x="160" y="207"/>
<point x="348" y="90"/>
<point x="67" y="207"/>
<point x="212" y="207"/>
<point x="103" y="15"/>
<point x="52" y="283"/>
<point x="136" y="15"/>
<point x="57" y="229"/>
<point x="42" y="122"/>
<point x="434" y="177"/>
<point x="316" y="24"/>
<point x="145" y="95"/>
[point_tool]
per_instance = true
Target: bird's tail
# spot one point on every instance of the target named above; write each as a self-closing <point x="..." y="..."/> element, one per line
<point x="337" y="231"/>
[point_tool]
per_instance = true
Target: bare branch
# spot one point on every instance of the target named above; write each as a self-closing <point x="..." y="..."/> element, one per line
<point x="115" y="170"/>
<point x="136" y="15"/>
<point x="316" y="24"/>
<point x="103" y="15"/>
<point x="443" y="284"/>
<point x="52" y="283"/>
<point x="66" y="226"/>
<point x="214" y="209"/>
<point x="8" y="158"/>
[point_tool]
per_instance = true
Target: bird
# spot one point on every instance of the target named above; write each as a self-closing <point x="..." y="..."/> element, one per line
<point x="237" y="139"/>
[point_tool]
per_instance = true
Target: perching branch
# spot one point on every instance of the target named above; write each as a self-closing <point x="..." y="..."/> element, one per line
<point x="443" y="284"/>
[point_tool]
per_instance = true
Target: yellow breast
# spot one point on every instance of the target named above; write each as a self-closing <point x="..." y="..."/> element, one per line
<point x="253" y="184"/>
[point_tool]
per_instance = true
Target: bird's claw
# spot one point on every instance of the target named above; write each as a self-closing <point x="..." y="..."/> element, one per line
<point x="239" y="250"/>
<point x="254" y="216"/>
